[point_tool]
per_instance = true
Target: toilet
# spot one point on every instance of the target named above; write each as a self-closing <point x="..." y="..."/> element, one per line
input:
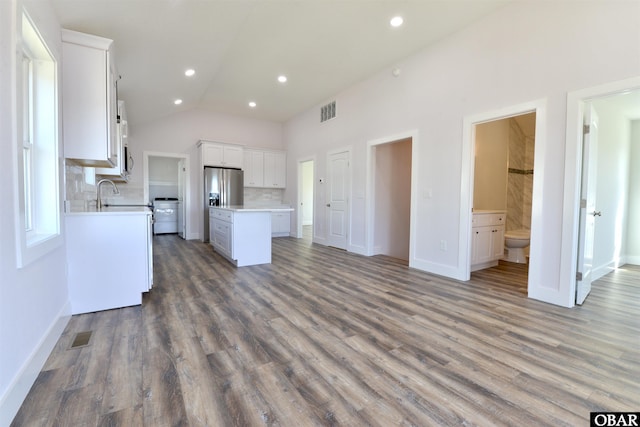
<point x="515" y="243"/>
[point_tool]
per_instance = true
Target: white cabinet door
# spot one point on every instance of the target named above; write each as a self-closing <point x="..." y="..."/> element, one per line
<point x="487" y="244"/>
<point x="253" y="168"/>
<point x="90" y="105"/>
<point x="280" y="224"/>
<point x="232" y="156"/>
<point x="483" y="236"/>
<point x="222" y="237"/>
<point x="275" y="173"/>
<point x="497" y="243"/>
<point x="212" y="155"/>
<point x="222" y="155"/>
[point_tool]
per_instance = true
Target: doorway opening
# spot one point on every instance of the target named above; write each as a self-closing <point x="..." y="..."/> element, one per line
<point x="534" y="281"/>
<point x="306" y="174"/>
<point x="166" y="177"/>
<point x="391" y="196"/>
<point x="503" y="192"/>
<point x="392" y="199"/>
<point x="613" y="185"/>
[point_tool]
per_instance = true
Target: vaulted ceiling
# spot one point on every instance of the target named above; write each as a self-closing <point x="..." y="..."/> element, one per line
<point x="238" y="48"/>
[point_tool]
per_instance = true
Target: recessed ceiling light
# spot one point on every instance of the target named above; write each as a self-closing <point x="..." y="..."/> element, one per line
<point x="190" y="72"/>
<point x="396" y="21"/>
<point x="178" y="101"/>
<point x="282" y="79"/>
<point x="252" y="104"/>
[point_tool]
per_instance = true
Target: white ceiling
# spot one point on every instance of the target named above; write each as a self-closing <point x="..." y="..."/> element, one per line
<point x="239" y="47"/>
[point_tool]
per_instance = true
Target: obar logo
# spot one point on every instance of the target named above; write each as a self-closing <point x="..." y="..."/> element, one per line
<point x="610" y="419"/>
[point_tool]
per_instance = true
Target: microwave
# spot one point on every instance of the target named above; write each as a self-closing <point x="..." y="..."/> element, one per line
<point x="128" y="161"/>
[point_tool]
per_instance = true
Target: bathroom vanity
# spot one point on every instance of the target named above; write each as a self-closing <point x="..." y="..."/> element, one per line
<point x="487" y="241"/>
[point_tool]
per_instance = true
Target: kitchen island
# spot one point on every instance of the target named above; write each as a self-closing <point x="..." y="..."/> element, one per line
<point x="242" y="234"/>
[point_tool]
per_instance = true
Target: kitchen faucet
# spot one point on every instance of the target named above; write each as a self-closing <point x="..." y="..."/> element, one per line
<point x="99" y="198"/>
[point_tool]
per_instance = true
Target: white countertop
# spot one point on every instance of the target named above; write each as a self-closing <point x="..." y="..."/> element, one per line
<point x="245" y="208"/>
<point x="114" y="210"/>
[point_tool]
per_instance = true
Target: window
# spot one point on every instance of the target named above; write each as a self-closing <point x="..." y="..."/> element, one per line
<point x="39" y="205"/>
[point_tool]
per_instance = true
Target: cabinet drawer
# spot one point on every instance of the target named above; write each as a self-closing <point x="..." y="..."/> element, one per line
<point x="485" y="219"/>
<point x="221" y="236"/>
<point x="221" y="214"/>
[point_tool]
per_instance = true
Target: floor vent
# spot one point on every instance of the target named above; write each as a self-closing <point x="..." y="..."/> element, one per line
<point x="328" y="111"/>
<point x="81" y="339"/>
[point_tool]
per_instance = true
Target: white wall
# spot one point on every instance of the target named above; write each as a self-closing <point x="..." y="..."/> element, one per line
<point x="524" y="52"/>
<point x="491" y="160"/>
<point x="180" y="134"/>
<point x="610" y="234"/>
<point x="163" y="177"/>
<point x="307" y="193"/>
<point x="33" y="300"/>
<point x="633" y="217"/>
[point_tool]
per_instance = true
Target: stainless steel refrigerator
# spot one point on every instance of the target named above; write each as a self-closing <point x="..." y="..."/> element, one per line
<point x="222" y="187"/>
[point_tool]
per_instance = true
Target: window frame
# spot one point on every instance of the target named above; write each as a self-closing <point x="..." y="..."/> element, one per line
<point x="38" y="216"/>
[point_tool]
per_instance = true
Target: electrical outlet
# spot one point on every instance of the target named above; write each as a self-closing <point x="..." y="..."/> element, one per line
<point x="443" y="245"/>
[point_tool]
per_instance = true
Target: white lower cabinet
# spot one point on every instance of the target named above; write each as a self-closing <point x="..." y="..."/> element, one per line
<point x="280" y="224"/>
<point x="109" y="259"/>
<point x="487" y="241"/>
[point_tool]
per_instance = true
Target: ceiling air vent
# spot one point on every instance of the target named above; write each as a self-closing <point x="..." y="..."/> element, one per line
<point x="328" y="111"/>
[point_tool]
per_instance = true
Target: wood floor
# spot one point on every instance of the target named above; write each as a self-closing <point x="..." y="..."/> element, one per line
<point x="324" y="337"/>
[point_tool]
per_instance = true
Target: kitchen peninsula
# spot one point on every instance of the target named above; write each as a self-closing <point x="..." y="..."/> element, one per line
<point x="242" y="234"/>
<point x="110" y="257"/>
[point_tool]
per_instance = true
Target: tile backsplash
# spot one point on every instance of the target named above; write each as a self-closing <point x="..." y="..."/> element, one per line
<point x="263" y="196"/>
<point x="81" y="191"/>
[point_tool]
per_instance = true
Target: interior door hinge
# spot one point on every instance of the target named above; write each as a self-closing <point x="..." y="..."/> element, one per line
<point x="585" y="129"/>
<point x="579" y="276"/>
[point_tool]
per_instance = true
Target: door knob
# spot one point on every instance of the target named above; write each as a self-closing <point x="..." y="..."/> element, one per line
<point x="596" y="213"/>
<point x="328" y="205"/>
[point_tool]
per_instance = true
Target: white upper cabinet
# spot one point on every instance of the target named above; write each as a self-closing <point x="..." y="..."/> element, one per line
<point x="90" y="102"/>
<point x="221" y="155"/>
<point x="253" y="168"/>
<point x="275" y="169"/>
<point x="275" y="172"/>
<point x="265" y="168"/>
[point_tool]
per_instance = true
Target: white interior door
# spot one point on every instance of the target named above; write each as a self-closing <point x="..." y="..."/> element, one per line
<point x="588" y="211"/>
<point x="338" y="200"/>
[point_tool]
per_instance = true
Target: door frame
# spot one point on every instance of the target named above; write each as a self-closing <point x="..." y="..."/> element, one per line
<point x="467" y="184"/>
<point x="576" y="102"/>
<point x="187" y="190"/>
<point x="370" y="189"/>
<point x="300" y="195"/>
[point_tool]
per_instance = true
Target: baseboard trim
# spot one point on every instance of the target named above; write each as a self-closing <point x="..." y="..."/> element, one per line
<point x="438" y="269"/>
<point x="635" y="260"/>
<point x="11" y="401"/>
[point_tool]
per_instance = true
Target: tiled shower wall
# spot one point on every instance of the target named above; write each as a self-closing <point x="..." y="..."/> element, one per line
<point x="520" y="180"/>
